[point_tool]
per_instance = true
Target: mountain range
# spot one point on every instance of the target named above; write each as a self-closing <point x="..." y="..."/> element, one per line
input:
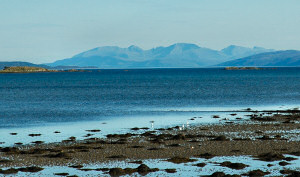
<point x="180" y="55"/>
<point x="176" y="55"/>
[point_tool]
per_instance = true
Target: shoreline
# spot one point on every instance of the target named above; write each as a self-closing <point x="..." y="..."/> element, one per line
<point x="264" y="132"/>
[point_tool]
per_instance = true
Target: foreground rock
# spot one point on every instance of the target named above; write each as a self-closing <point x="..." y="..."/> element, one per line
<point x="142" y="169"/>
<point x="32" y="169"/>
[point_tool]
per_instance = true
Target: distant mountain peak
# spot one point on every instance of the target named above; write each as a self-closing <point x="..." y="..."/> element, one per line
<point x="183" y="46"/>
<point x="134" y="48"/>
<point x="186" y="45"/>
<point x="176" y="55"/>
<point x="232" y="47"/>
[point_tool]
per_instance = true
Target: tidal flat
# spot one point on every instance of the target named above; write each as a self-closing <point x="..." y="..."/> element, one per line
<point x="261" y="143"/>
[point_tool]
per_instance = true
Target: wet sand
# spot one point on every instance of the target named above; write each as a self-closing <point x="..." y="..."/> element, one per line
<point x="269" y="133"/>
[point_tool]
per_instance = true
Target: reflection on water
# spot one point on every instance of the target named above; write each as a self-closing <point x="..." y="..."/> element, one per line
<point x="109" y="126"/>
<point x="117" y="125"/>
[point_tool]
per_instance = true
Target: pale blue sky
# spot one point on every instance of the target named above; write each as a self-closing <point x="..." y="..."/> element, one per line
<point x="42" y="31"/>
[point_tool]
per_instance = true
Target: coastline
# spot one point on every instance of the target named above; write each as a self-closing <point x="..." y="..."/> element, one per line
<point x="260" y="134"/>
<point x="28" y="69"/>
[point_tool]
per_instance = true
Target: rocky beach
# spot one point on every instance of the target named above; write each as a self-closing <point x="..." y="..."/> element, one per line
<point x="270" y="136"/>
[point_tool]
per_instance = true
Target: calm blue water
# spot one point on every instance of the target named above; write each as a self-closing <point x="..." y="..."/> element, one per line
<point x="42" y="98"/>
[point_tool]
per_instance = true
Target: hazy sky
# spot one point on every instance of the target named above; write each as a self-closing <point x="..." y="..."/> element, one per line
<point x="42" y="31"/>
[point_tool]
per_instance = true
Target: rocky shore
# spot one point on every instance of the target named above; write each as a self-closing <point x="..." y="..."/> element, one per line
<point x="266" y="136"/>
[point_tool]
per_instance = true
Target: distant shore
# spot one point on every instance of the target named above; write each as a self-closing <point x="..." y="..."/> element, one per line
<point x="29" y="69"/>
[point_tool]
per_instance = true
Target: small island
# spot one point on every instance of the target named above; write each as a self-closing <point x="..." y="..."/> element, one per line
<point x="242" y="68"/>
<point x="31" y="69"/>
<point x="24" y="69"/>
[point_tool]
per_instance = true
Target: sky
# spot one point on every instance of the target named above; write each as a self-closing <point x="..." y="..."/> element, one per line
<point x="42" y="31"/>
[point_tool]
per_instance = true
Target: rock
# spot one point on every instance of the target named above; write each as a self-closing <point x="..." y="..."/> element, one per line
<point x="116" y="172"/>
<point x="76" y="166"/>
<point x="10" y="150"/>
<point x="265" y="137"/>
<point x="37" y="142"/>
<point x="170" y="170"/>
<point x="129" y="171"/>
<point x="33" y="134"/>
<point x="85" y="169"/>
<point x="283" y="163"/>
<point x="116" y="157"/>
<point x="72" y="138"/>
<point x="200" y="164"/>
<point x="9" y="171"/>
<point x="31" y="169"/>
<point x="290" y="158"/>
<point x="135" y="147"/>
<point x="269" y="157"/>
<point x="94" y="130"/>
<point x="143" y="168"/>
<point x="174" y="145"/>
<point x="257" y="173"/>
<point x="102" y="169"/>
<point x="135" y="128"/>
<point x="88" y="135"/>
<point x="145" y="128"/>
<point x="221" y="138"/>
<point x="179" y="137"/>
<point x="236" y="166"/>
<point x="206" y="155"/>
<point x="154" y="149"/>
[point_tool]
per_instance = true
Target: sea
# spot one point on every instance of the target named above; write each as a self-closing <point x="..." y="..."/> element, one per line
<point x="115" y="100"/>
<point x="59" y="105"/>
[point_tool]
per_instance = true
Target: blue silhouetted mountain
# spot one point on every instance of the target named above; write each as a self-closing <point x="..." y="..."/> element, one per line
<point x="176" y="55"/>
<point x="278" y="58"/>
<point x="239" y="52"/>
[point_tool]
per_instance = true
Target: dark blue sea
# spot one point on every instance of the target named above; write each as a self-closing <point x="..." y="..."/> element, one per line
<point x="42" y="98"/>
